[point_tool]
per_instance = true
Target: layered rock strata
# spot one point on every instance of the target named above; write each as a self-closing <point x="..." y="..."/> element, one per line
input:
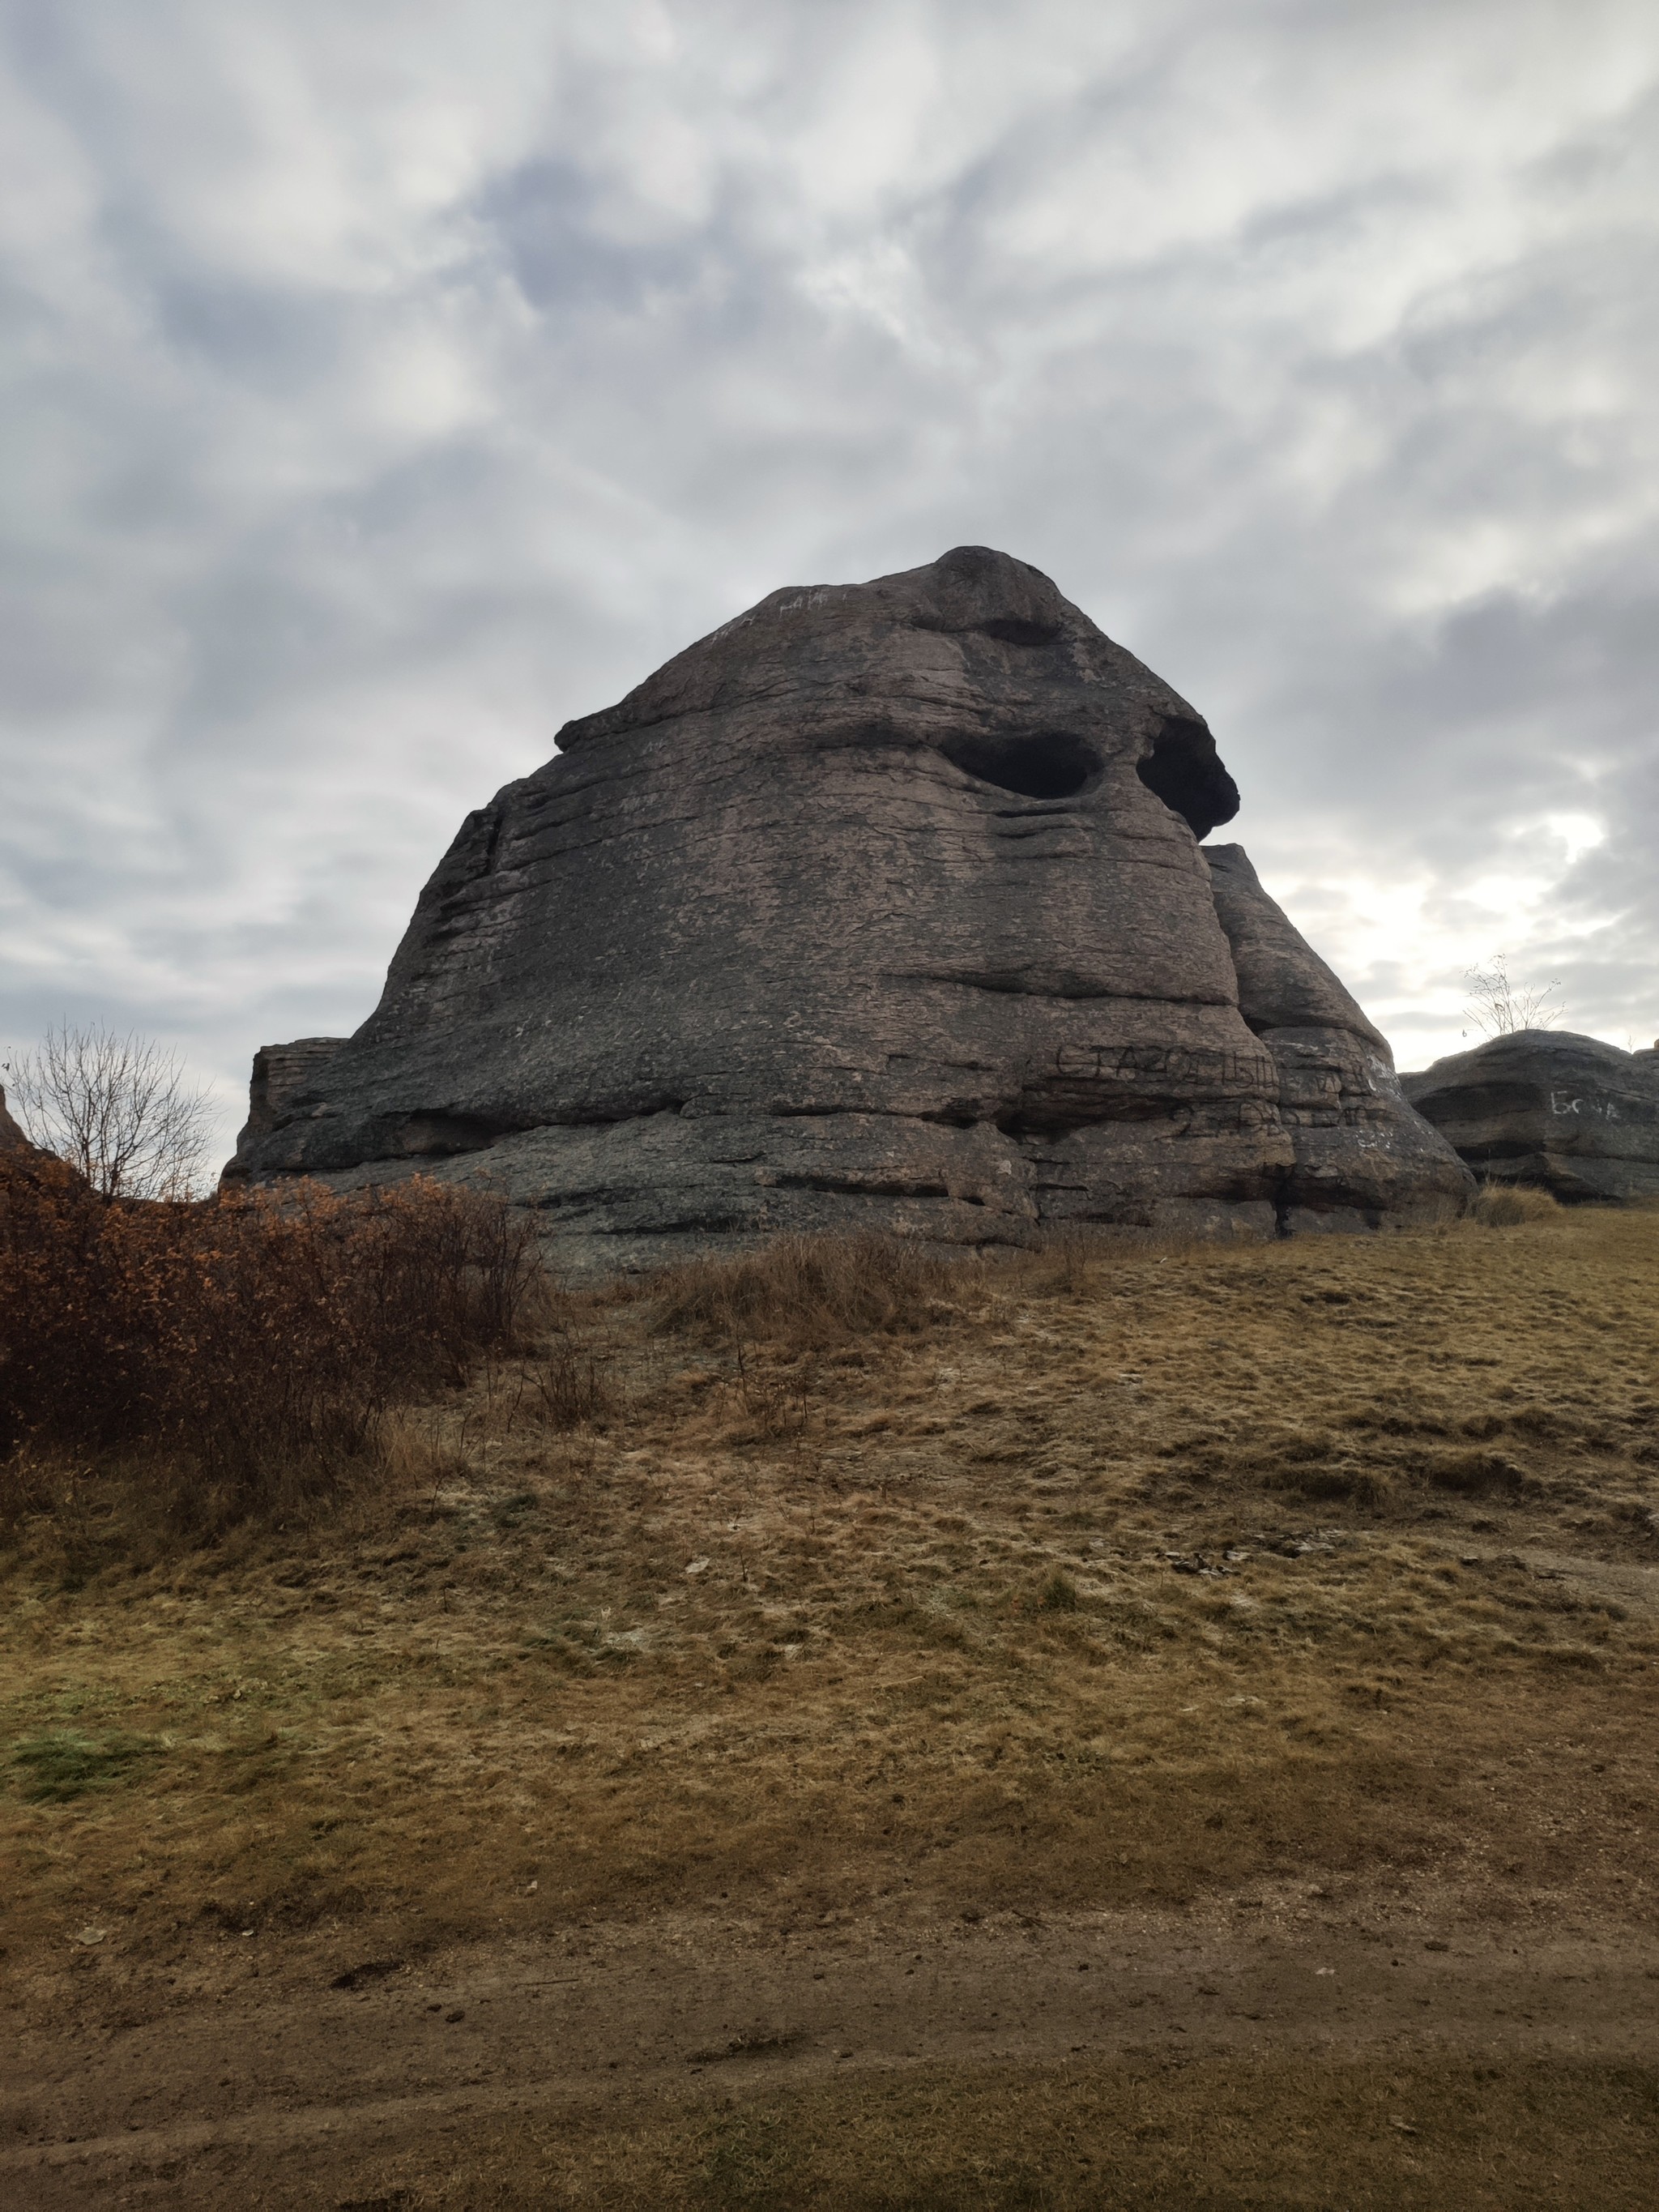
<point x="1565" y="1113"/>
<point x="1359" y="1153"/>
<point x="283" y="1084"/>
<point x="883" y="906"/>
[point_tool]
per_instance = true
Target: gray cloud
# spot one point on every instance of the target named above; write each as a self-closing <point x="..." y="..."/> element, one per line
<point x="385" y="387"/>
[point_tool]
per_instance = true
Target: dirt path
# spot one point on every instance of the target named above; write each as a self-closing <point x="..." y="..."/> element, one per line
<point x="257" y="2076"/>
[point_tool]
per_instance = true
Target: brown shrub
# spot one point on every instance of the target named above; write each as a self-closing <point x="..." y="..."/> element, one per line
<point x="243" y="1352"/>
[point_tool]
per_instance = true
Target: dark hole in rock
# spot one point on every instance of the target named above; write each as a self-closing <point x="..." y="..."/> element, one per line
<point x="1012" y="631"/>
<point x="1185" y="771"/>
<point x="1048" y="764"/>
<point x="438" y="1133"/>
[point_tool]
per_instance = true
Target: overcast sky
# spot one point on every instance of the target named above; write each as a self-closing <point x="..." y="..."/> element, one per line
<point x="386" y="382"/>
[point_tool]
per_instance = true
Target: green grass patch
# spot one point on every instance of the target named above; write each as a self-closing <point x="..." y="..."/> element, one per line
<point x="60" y="1764"/>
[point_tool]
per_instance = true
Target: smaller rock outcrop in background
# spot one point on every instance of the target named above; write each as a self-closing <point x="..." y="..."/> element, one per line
<point x="1567" y="1113"/>
<point x="282" y="1074"/>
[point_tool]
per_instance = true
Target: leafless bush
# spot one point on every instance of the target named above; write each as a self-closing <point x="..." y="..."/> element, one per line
<point x="1499" y="1007"/>
<point x="119" y="1110"/>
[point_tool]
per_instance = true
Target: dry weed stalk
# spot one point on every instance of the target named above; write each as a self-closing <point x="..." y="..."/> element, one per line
<point x="573" y="1386"/>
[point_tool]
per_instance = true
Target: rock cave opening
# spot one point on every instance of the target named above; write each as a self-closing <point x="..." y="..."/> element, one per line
<point x="1007" y="631"/>
<point x="1185" y="771"/>
<point x="1046" y="764"/>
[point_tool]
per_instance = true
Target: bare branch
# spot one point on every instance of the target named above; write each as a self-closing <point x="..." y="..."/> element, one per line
<point x="119" y="1110"/>
<point x="1499" y="1007"/>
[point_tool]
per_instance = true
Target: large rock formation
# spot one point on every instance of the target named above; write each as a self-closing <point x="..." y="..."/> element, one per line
<point x="884" y="905"/>
<point x="1567" y="1113"/>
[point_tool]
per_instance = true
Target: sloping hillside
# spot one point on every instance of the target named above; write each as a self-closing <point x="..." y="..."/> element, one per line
<point x="788" y="1679"/>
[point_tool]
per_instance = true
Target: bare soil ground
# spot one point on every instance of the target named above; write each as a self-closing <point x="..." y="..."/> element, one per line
<point x="1170" y="1728"/>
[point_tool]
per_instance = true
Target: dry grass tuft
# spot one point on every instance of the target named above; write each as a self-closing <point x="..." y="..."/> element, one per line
<point x="808" y="1294"/>
<point x="1511" y="1205"/>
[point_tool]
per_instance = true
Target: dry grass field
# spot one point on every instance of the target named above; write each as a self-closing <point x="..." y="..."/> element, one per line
<point x="708" y="1774"/>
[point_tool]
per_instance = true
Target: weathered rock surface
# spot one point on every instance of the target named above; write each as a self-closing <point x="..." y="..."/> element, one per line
<point x="1358" y="1149"/>
<point x="283" y="1075"/>
<point x="12" y="1139"/>
<point x="883" y="906"/>
<point x="1567" y="1113"/>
